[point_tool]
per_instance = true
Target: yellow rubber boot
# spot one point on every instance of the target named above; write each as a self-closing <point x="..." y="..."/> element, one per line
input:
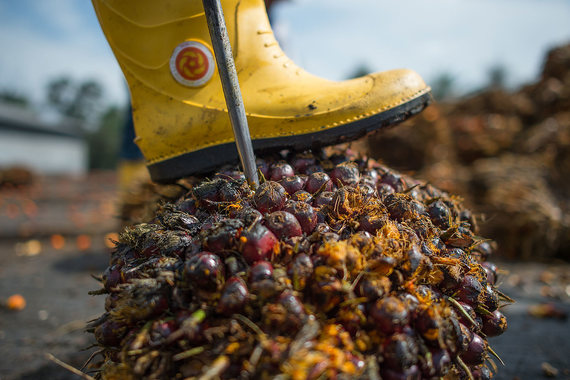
<point x="179" y="111"/>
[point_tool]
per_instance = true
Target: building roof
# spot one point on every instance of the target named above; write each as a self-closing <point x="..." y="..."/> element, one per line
<point x="20" y="119"/>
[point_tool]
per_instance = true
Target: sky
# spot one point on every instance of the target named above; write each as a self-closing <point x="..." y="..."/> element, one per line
<point x="44" y="39"/>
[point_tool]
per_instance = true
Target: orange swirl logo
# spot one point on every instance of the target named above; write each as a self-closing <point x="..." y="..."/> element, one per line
<point x="192" y="64"/>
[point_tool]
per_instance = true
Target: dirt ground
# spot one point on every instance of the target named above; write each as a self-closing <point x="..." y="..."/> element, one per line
<point x="55" y="279"/>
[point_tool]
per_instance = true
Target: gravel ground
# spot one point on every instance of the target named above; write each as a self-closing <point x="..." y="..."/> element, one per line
<point x="55" y="285"/>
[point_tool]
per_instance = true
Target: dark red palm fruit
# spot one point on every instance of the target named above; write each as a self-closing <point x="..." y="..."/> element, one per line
<point x="263" y="167"/>
<point x="393" y="180"/>
<point x="313" y="169"/>
<point x="181" y="221"/>
<point x="383" y="265"/>
<point x="187" y="205"/>
<point x="491" y="271"/>
<point x="110" y="333"/>
<point x="112" y="277"/>
<point x="193" y="325"/>
<point x="412" y="373"/>
<point x="327" y="293"/>
<point x="235" y="264"/>
<point x="233" y="190"/>
<point x="346" y="173"/>
<point x="366" y="190"/>
<point x="302" y="161"/>
<point x="400" y="352"/>
<point x="476" y="351"/>
<point x="323" y="199"/>
<point x="150" y="248"/>
<point x="451" y="279"/>
<point x="369" y="179"/>
<point x="371" y="223"/>
<point x="222" y="236"/>
<point x="469" y="290"/>
<point x="494" y="324"/>
<point x="466" y="216"/>
<point x="258" y="242"/>
<point x="485" y="249"/>
<point x="283" y="224"/>
<point x="320" y="228"/>
<point x="293" y="184"/>
<point x="402" y="207"/>
<point x="280" y="170"/>
<point x="338" y="158"/>
<point x="330" y="237"/>
<point x="208" y="190"/>
<point x="161" y="330"/>
<point x="439" y="365"/>
<point x="111" y="301"/>
<point x="372" y="288"/>
<point x="234" y="296"/>
<point x="389" y="315"/>
<point x="455" y="335"/>
<point x="464" y="337"/>
<point x="490" y="298"/>
<point x="361" y="239"/>
<point x="204" y="271"/>
<point x="305" y="214"/>
<point x="300" y="271"/>
<point x="269" y="196"/>
<point x="322" y="214"/>
<point x="352" y="318"/>
<point x="293" y="305"/>
<point x="481" y="373"/>
<point x="261" y="270"/>
<point x="384" y="189"/>
<point x="302" y="196"/>
<point x="414" y="260"/>
<point x="265" y="290"/>
<point x="439" y="214"/>
<point x="248" y="215"/>
<point x="469" y="310"/>
<point x="427" y="322"/>
<point x="318" y="181"/>
<point x="347" y="201"/>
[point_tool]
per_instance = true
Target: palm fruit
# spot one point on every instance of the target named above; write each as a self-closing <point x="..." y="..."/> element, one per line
<point x="334" y="267"/>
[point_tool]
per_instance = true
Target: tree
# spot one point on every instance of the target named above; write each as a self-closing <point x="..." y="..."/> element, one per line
<point x="361" y="70"/>
<point x="443" y="86"/>
<point x="77" y="100"/>
<point x="497" y="76"/>
<point x="13" y="97"/>
<point x="104" y="142"/>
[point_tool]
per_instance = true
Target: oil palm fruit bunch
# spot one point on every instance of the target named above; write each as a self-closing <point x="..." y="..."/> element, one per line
<point x="335" y="267"/>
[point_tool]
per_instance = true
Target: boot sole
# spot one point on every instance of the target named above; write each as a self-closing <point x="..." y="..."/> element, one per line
<point x="209" y="159"/>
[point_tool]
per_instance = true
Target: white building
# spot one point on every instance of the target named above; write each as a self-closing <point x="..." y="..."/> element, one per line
<point x="44" y="148"/>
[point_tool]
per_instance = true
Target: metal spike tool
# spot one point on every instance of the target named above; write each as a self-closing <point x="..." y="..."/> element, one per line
<point x="230" y="85"/>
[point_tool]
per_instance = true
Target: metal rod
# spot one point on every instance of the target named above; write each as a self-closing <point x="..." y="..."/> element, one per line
<point x="230" y="85"/>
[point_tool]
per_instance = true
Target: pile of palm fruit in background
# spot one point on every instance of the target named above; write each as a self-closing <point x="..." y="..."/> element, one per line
<point x="16" y="176"/>
<point x="506" y="154"/>
<point x="335" y="266"/>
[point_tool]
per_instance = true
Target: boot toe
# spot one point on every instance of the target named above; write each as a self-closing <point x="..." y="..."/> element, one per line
<point x="392" y="89"/>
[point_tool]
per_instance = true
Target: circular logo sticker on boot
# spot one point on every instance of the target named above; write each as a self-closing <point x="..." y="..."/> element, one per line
<point x="192" y="64"/>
